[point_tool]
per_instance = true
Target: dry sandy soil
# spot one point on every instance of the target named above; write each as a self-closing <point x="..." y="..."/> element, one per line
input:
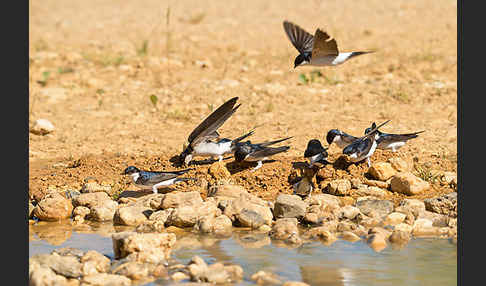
<point x="94" y="66"/>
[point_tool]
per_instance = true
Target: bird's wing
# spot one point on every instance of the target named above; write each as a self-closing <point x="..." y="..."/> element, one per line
<point x="359" y="146"/>
<point x="157" y="177"/>
<point x="390" y="138"/>
<point x="301" y="39"/>
<point x="323" y="45"/>
<point x="213" y="122"/>
<point x="268" y="143"/>
<point x="348" y="138"/>
<point x="267" y="152"/>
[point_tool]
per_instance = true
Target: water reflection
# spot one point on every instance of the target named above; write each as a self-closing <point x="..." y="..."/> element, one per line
<point x="420" y="262"/>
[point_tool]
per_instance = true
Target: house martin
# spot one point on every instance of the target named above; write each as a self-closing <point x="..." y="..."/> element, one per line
<point x="363" y="147"/>
<point x="155" y="179"/>
<point x="339" y="137"/>
<point x="317" y="50"/>
<point x="246" y="151"/>
<point x="201" y="140"/>
<point x="387" y="141"/>
<point x="315" y="153"/>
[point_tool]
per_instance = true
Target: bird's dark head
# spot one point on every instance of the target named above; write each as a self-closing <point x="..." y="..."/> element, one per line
<point x="242" y="150"/>
<point x="331" y="134"/>
<point x="130" y="170"/>
<point x="302" y="59"/>
<point x="313" y="147"/>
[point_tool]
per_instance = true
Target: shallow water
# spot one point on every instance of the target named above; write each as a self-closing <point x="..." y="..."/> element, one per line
<point x="423" y="261"/>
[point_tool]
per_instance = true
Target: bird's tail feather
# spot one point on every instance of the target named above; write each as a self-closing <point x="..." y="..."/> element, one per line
<point x="264" y="144"/>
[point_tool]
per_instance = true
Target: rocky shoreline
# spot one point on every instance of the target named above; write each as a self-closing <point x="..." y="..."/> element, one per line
<point x="352" y="209"/>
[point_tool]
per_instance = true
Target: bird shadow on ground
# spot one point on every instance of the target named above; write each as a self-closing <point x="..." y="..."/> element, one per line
<point x="178" y="162"/>
<point x="341" y="163"/>
<point x="235" y="167"/>
<point x="144" y="192"/>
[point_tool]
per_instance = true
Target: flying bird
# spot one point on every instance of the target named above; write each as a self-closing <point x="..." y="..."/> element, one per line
<point x="315" y="153"/>
<point x="363" y="147"/>
<point x="340" y="138"/>
<point x="317" y="50"/>
<point x="155" y="179"/>
<point x="387" y="141"/>
<point x="201" y="140"/>
<point x="246" y="151"/>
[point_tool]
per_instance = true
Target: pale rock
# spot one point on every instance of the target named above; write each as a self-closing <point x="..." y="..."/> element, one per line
<point x="105" y="279"/>
<point x="90" y="199"/>
<point x="407" y="183"/>
<point x="381" y="171"/>
<point x="288" y="206"/>
<point x="376" y="183"/>
<point x="349" y="212"/>
<point x="179" y="199"/>
<point x="247" y="202"/>
<point x="340" y="187"/>
<point x="81" y="211"/>
<point x="143" y="247"/>
<point x="399" y="164"/>
<point x="327" y="201"/>
<point x="103" y="212"/>
<point x="445" y="204"/>
<point x="67" y="266"/>
<point x="132" y="269"/>
<point x="416" y="207"/>
<point x="227" y="191"/>
<point x="94" y="262"/>
<point x="130" y="215"/>
<point x="372" y="191"/>
<point x="44" y="276"/>
<point x="403" y="227"/>
<point x="381" y="207"/>
<point x="394" y="218"/>
<point x="53" y="207"/>
<point x="220" y="225"/>
<point x="42" y="127"/>
<point x="321" y="232"/>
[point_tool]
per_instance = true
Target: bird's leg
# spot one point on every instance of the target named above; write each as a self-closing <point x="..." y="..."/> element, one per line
<point x="220" y="158"/>
<point x="258" y="166"/>
<point x="154" y="189"/>
<point x="369" y="162"/>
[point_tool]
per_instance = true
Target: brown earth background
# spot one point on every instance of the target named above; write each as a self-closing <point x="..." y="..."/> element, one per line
<point x="94" y="65"/>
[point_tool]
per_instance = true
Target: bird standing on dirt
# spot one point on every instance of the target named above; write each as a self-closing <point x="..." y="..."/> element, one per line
<point x="339" y="137"/>
<point x="317" y="50"/>
<point x="363" y="147"/>
<point x="387" y="141"/>
<point x="316" y="153"/>
<point x="155" y="179"/>
<point x="246" y="151"/>
<point x="200" y="141"/>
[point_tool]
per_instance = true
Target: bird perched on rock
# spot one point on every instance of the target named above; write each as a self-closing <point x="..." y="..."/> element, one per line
<point x="316" y="153"/>
<point x="363" y="147"/>
<point x="387" y="141"/>
<point x="246" y="151"/>
<point x="317" y="50"/>
<point x="155" y="179"/>
<point x="340" y="138"/>
<point x="201" y="140"/>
